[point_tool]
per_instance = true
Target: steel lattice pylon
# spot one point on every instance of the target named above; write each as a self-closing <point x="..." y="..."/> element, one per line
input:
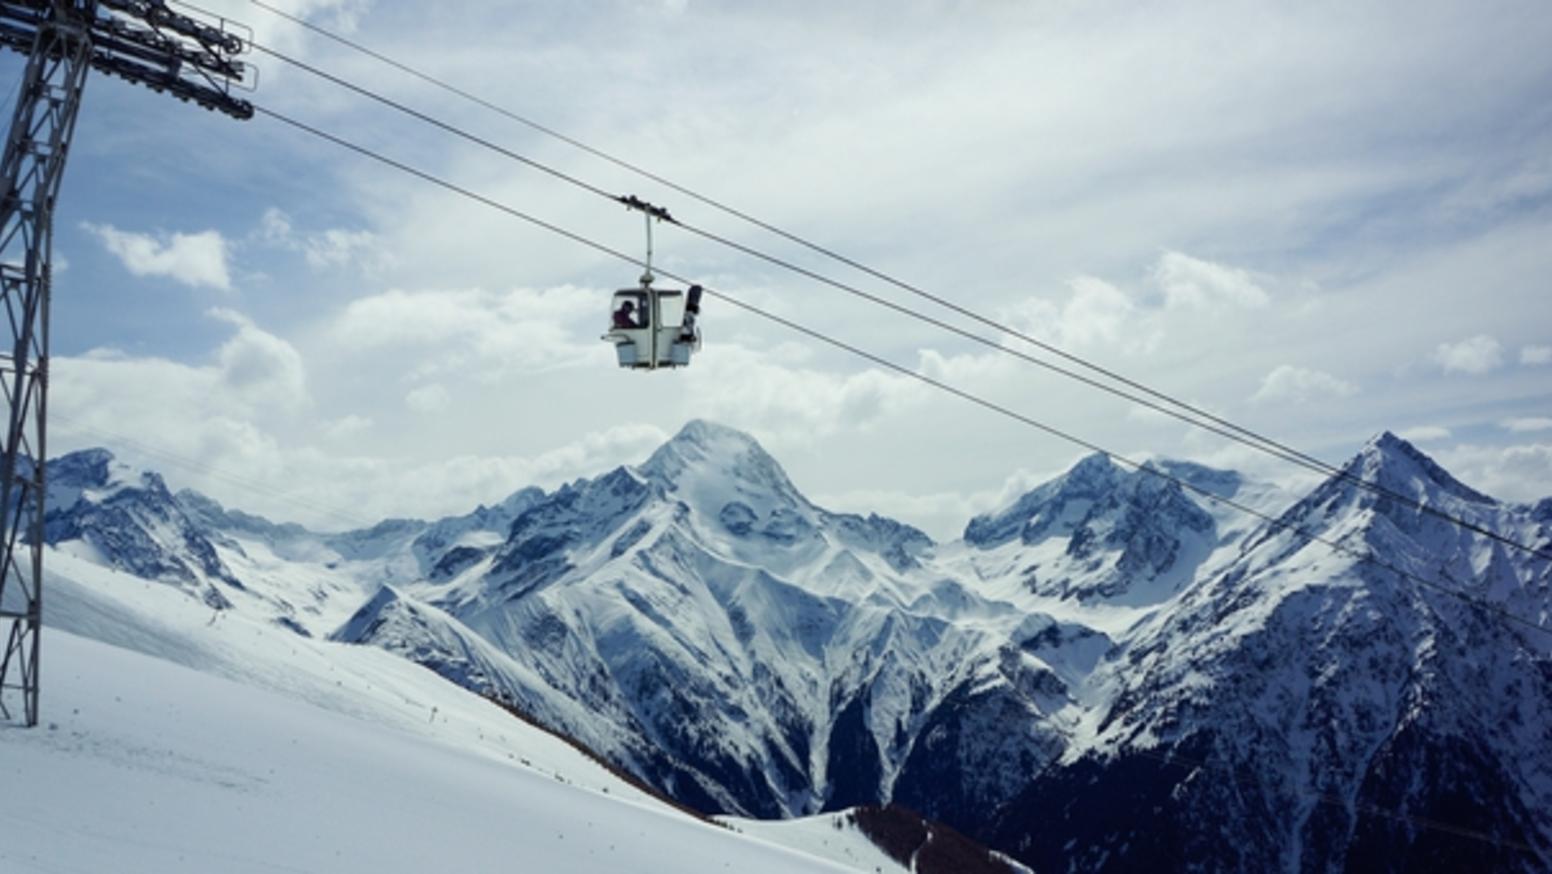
<point x="141" y="41"/>
<point x="30" y="173"/>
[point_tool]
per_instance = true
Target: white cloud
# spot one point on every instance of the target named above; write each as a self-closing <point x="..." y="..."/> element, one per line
<point x="1514" y="473"/>
<point x="231" y="427"/>
<point x="1300" y="385"/>
<point x="1425" y="434"/>
<point x="338" y="15"/>
<point x="1528" y="424"/>
<point x="1178" y="137"/>
<point x="1536" y="355"/>
<point x="1095" y="313"/>
<point x="377" y="487"/>
<point x="275" y="227"/>
<point x="1191" y="283"/>
<point x="260" y="367"/>
<point x="272" y="30"/>
<point x="1474" y="355"/>
<point x="347" y="427"/>
<point x="428" y="398"/>
<point x="942" y="515"/>
<point x="333" y="248"/>
<point x="254" y="375"/>
<point x="1099" y="314"/>
<point x="1147" y="415"/>
<point x="338" y="248"/>
<point x="1503" y="187"/>
<point x="486" y="333"/>
<point x="791" y="404"/>
<point x="594" y="452"/>
<point x="192" y="259"/>
<point x="221" y="415"/>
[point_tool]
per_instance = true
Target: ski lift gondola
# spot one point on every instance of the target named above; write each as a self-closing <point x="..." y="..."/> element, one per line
<point x="654" y="327"/>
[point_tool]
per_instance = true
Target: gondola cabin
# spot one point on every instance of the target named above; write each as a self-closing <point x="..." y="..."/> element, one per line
<point x="652" y="328"/>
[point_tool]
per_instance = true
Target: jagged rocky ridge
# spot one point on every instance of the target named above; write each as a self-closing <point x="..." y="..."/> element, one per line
<point x="128" y="520"/>
<point x="1110" y="673"/>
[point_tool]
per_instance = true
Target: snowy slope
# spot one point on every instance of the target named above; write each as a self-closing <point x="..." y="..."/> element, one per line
<point x="312" y="582"/>
<point x="307" y="756"/>
<point x="149" y="767"/>
<point x="827" y="836"/>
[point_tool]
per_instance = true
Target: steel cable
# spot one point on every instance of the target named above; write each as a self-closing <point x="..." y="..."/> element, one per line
<point x="1141" y="395"/>
<point x="1277" y="522"/>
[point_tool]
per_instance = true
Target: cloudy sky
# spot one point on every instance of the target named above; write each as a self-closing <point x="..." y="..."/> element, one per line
<point x="1321" y="220"/>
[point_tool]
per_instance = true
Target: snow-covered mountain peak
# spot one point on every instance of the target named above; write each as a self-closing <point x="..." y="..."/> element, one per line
<point x="95" y="472"/>
<point x="700" y="445"/>
<point x="1223" y="483"/>
<point x="516" y="502"/>
<point x="731" y="492"/>
<point x="362" y="623"/>
<point x="212" y="514"/>
<point x="126" y="518"/>
<point x="1094" y="487"/>
<point x="86" y="468"/>
<point x="1393" y="493"/>
<point x="1093" y="469"/>
<point x="1028" y="514"/>
<point x="715" y="466"/>
<point x="1396" y="465"/>
<point x="95" y="477"/>
<point x="1100" y="532"/>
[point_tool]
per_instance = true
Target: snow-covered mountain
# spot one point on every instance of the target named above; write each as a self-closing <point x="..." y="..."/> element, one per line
<point x="126" y="519"/>
<point x="1111" y="671"/>
<point x="1306" y="709"/>
<point x="732" y="642"/>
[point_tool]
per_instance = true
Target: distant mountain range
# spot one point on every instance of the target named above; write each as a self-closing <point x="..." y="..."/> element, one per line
<point x="1110" y="673"/>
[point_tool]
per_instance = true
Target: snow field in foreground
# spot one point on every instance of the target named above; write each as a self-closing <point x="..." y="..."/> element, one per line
<point x="306" y="756"/>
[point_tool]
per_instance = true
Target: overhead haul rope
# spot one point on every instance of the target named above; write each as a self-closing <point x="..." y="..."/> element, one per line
<point x="1245" y="436"/>
<point x="1207" y="421"/>
<point x="1274" y="521"/>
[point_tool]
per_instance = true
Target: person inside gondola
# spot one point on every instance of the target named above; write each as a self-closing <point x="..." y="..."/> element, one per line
<point x="691" y="310"/>
<point x="625" y="316"/>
